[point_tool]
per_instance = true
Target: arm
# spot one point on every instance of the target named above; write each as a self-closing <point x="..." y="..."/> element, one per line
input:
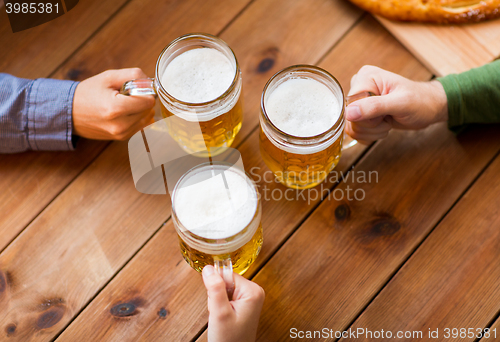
<point x="473" y="96"/>
<point x="470" y="97"/>
<point x="47" y="114"/>
<point x="35" y="114"/>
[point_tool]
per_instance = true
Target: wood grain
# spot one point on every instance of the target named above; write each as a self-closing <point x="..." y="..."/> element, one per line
<point x="38" y="51"/>
<point x="137" y="34"/>
<point x="487" y="34"/>
<point x="450" y="48"/>
<point x="268" y="36"/>
<point x="494" y="329"/>
<point x="273" y="34"/>
<point x="331" y="268"/>
<point x="31" y="180"/>
<point x="452" y="280"/>
<point x="75" y="246"/>
<point x="176" y="287"/>
<point x="90" y="231"/>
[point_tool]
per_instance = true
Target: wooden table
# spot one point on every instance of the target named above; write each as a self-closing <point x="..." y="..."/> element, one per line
<point x="86" y="257"/>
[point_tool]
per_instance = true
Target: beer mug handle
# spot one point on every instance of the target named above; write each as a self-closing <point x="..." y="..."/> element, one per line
<point x="140" y="86"/>
<point x="348" y="141"/>
<point x="225" y="268"/>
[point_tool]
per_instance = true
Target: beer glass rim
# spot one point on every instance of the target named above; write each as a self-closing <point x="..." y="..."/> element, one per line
<point x="312" y="69"/>
<point x="200" y="36"/>
<point x="229" y="239"/>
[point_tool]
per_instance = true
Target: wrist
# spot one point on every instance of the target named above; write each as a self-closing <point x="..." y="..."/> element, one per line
<point x="439" y="101"/>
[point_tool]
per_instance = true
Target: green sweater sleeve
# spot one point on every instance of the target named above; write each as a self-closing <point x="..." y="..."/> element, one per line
<point x="473" y="96"/>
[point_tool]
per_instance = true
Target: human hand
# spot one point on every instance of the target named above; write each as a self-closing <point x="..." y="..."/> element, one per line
<point x="101" y="112"/>
<point x="402" y="104"/>
<point x="235" y="320"/>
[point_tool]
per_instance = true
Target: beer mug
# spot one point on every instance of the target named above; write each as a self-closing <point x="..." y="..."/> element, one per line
<point x="302" y="125"/>
<point x="202" y="117"/>
<point x="216" y="212"/>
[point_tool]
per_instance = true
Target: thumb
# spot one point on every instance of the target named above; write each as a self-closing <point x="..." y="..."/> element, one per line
<point x="218" y="303"/>
<point x="373" y="107"/>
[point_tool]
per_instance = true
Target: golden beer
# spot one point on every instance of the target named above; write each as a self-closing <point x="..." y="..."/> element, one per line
<point x="199" y="85"/>
<point x="200" y="89"/>
<point x="302" y="125"/>
<point x="241" y="258"/>
<point x="214" y="135"/>
<point x="299" y="171"/>
<point x="216" y="213"/>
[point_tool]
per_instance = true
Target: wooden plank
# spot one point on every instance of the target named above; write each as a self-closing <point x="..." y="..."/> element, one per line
<point x="74" y="247"/>
<point x="305" y="33"/>
<point x="168" y="282"/>
<point x="448" y="49"/>
<point x="276" y="6"/>
<point x="31" y="180"/>
<point x="331" y="268"/>
<point x="90" y="231"/>
<point x="452" y="280"/>
<point x="487" y="34"/>
<point x="494" y="332"/>
<point x="261" y="46"/>
<point x="38" y="51"/>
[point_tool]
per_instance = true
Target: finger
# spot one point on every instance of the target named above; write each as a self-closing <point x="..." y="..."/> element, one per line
<point x="365" y="142"/>
<point x="381" y="128"/>
<point x="365" y="80"/>
<point x="121" y="125"/>
<point x="365" y="137"/>
<point x="353" y="80"/>
<point x="371" y="122"/>
<point x="376" y="80"/>
<point x="122" y="105"/>
<point x="116" y="78"/>
<point x="372" y="107"/>
<point x="245" y="289"/>
<point x="218" y="303"/>
<point x="137" y="126"/>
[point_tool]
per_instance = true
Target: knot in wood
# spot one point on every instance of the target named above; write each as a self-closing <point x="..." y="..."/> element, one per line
<point x="342" y="212"/>
<point x="265" y="65"/>
<point x="10" y="329"/>
<point x="163" y="313"/>
<point x="3" y="282"/>
<point x="50" y="317"/>
<point x="123" y="310"/>
<point x="385" y="227"/>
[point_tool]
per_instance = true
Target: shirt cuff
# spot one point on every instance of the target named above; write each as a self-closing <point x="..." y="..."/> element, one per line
<point x="50" y="115"/>
<point x="456" y="119"/>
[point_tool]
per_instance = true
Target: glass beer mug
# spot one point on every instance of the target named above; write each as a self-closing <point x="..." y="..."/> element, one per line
<point x="201" y="118"/>
<point x="216" y="212"/>
<point x="302" y="125"/>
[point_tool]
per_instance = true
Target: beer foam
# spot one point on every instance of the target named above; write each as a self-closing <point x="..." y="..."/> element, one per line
<point x="303" y="107"/>
<point x="198" y="75"/>
<point x="208" y="209"/>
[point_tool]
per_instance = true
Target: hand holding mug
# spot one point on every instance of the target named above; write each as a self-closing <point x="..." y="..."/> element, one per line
<point x="235" y="320"/>
<point x="402" y="104"/>
<point x="101" y="112"/>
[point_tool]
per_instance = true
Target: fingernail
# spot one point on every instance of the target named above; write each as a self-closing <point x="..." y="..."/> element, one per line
<point x="208" y="271"/>
<point x="353" y="113"/>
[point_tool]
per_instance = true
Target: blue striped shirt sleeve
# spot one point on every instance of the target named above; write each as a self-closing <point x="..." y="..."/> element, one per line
<point x="36" y="114"/>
